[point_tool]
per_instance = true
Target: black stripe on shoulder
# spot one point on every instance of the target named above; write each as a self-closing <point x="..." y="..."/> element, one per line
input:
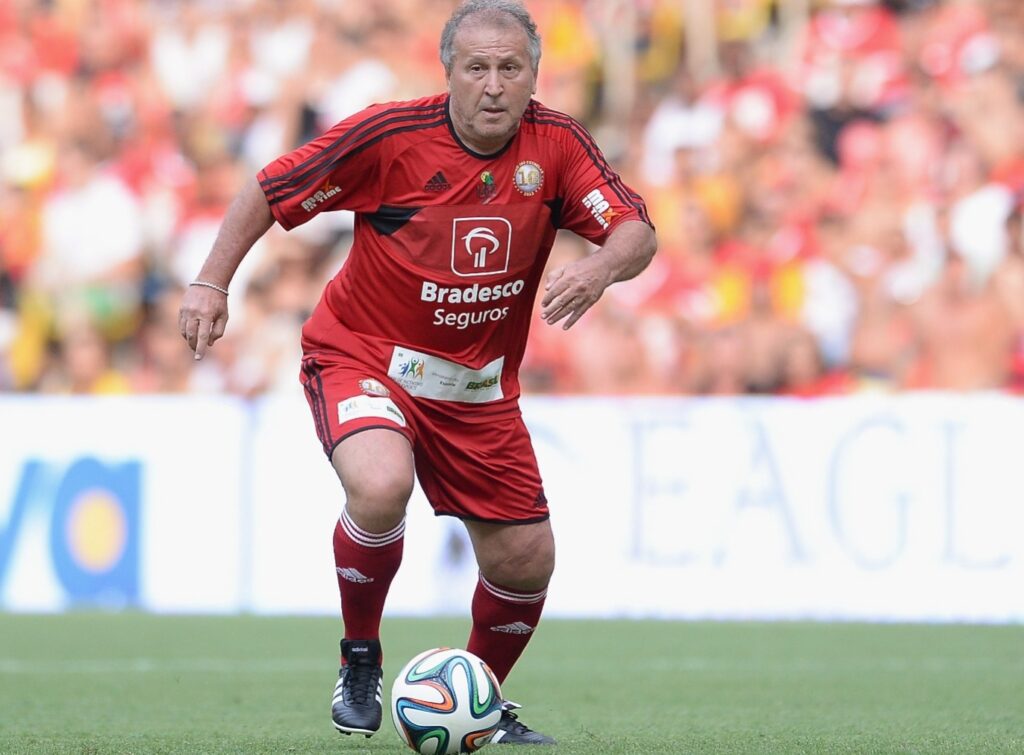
<point x="555" y="205"/>
<point x="326" y="168"/>
<point x="365" y="128"/>
<point x="546" y="117"/>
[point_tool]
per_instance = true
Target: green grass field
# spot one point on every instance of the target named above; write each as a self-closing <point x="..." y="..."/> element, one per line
<point x="113" y="683"/>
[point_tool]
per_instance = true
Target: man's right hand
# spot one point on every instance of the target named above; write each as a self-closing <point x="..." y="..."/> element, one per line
<point x="202" y="317"/>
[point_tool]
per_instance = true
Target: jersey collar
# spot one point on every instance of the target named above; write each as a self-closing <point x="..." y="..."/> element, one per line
<point x="462" y="145"/>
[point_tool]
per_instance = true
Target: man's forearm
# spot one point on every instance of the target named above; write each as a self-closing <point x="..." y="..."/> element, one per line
<point x="247" y="219"/>
<point x="628" y="251"/>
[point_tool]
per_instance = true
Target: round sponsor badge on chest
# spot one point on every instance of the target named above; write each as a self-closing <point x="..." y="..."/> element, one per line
<point x="529" y="177"/>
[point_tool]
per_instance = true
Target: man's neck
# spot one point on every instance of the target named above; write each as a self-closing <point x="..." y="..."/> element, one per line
<point x="467" y="140"/>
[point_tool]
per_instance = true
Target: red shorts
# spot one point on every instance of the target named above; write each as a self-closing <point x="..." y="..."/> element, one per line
<point x="485" y="471"/>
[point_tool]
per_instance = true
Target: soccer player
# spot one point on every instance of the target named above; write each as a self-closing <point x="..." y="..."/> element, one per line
<point x="410" y="358"/>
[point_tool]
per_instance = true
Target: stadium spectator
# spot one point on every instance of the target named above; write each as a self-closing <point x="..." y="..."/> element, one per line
<point x="721" y="369"/>
<point x="84" y="363"/>
<point x="882" y="346"/>
<point x="91" y="246"/>
<point x="680" y="121"/>
<point x="755" y="98"/>
<point x="851" y="65"/>
<point x="965" y="336"/>
<point x="1009" y="284"/>
<point x="804" y="373"/>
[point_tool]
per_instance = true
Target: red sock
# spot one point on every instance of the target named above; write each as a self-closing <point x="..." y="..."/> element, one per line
<point x="503" y="622"/>
<point x="366" y="563"/>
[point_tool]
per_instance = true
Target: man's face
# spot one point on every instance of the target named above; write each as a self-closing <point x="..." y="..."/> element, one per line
<point x="490" y="84"/>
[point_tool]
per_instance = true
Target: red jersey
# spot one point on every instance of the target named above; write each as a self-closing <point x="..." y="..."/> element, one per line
<point x="450" y="245"/>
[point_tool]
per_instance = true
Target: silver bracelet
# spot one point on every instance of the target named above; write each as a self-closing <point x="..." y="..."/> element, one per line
<point x="214" y="286"/>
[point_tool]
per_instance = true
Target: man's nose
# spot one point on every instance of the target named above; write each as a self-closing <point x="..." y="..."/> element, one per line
<point x="492" y="84"/>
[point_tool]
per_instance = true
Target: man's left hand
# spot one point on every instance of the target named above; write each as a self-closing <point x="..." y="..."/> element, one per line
<point x="573" y="289"/>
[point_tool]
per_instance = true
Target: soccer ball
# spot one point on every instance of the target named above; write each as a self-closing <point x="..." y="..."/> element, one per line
<point x="446" y="701"/>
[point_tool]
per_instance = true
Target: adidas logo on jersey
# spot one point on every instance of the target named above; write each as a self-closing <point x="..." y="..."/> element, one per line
<point x="517" y="627"/>
<point x="353" y="575"/>
<point x="437" y="182"/>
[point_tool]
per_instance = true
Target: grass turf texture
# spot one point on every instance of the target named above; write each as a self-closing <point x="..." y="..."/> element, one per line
<point x="129" y="683"/>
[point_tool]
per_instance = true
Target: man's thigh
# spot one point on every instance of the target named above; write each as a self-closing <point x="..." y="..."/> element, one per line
<point x="345" y="398"/>
<point x="480" y="471"/>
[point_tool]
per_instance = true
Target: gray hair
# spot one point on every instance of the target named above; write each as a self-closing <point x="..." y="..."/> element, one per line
<point x="498" y="12"/>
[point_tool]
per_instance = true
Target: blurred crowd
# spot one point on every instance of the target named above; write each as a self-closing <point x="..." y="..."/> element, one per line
<point x="837" y="187"/>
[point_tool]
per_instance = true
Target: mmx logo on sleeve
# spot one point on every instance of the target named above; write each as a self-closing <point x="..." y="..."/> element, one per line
<point x="599" y="207"/>
<point x="481" y="246"/>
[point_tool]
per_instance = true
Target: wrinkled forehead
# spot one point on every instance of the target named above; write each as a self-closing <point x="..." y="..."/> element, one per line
<point x="490" y="31"/>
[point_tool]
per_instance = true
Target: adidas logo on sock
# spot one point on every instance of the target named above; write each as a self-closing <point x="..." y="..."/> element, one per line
<point x="517" y="627"/>
<point x="437" y="182"/>
<point x="353" y="575"/>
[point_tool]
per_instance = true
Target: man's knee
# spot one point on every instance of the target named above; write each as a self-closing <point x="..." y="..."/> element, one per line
<point x="383" y="486"/>
<point x="521" y="571"/>
<point x="376" y="469"/>
<point x="521" y="557"/>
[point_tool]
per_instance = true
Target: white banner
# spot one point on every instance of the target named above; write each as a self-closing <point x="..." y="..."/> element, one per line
<point x="121" y="502"/>
<point x="889" y="508"/>
<point x="907" y="508"/>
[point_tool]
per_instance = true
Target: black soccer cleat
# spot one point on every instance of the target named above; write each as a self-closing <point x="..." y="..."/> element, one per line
<point x="356" y="705"/>
<point x="512" y="731"/>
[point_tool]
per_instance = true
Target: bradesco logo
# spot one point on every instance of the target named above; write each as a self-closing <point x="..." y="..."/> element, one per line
<point x="461" y="319"/>
<point x="430" y="291"/>
<point x="481" y="246"/>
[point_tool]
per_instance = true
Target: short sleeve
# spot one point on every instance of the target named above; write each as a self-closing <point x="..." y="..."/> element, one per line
<point x="339" y="170"/>
<point x="596" y="199"/>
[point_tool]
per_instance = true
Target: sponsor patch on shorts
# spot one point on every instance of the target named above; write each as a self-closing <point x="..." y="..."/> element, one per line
<point x="428" y="376"/>
<point x="373" y="387"/>
<point x="361" y="407"/>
